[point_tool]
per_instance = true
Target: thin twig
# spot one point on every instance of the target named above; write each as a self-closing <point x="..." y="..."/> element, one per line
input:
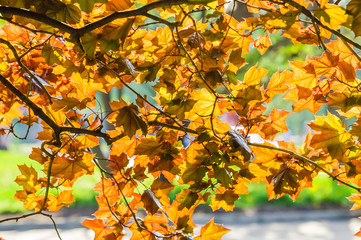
<point x="180" y="43"/>
<point x="139" y="95"/>
<point x="306" y="160"/>
<point x="32" y="76"/>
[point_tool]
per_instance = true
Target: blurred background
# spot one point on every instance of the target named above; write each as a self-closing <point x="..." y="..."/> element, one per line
<point x="320" y="212"/>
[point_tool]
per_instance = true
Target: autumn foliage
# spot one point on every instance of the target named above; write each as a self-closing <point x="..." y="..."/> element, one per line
<point x="57" y="54"/>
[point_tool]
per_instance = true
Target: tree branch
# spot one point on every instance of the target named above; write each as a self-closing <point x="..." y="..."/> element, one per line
<point x="306" y="160"/>
<point x="309" y="14"/>
<point x="37" y="110"/>
<point x="78" y="32"/>
<point x="56" y="128"/>
<point x="38" y="17"/>
<point x="183" y="129"/>
<point x="32" y="76"/>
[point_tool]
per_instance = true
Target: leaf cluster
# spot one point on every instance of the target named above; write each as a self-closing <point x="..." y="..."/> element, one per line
<point x="57" y="54"/>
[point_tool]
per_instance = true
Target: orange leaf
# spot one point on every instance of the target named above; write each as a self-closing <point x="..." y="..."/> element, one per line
<point x="212" y="231"/>
<point x="303" y="98"/>
<point x="330" y="133"/>
<point x="358" y="234"/>
<point x="125" y="145"/>
<point x="71" y="169"/>
<point x="108" y="189"/>
<point x="99" y="228"/>
<point x="254" y="76"/>
<point x="88" y="141"/>
<point x="277" y="83"/>
<point x="38" y="156"/>
<point x="127" y="116"/>
<point x="13" y="32"/>
<point x="119" y="5"/>
<point x="356" y="198"/>
<point x="28" y="179"/>
<point x="276" y="123"/>
<point x="56" y="202"/>
<point x="223" y="199"/>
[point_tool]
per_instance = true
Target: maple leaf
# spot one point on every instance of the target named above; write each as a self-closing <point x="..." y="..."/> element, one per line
<point x="346" y="101"/>
<point x="80" y="48"/>
<point x="276" y="123"/>
<point x="262" y="43"/>
<point x="304" y="98"/>
<point x="330" y="133"/>
<point x="108" y="189"/>
<point x="149" y="146"/>
<point x="72" y="169"/>
<point x="223" y="199"/>
<point x="119" y="5"/>
<point x="127" y="116"/>
<point x="118" y="162"/>
<point x="204" y="104"/>
<point x="212" y="231"/>
<point x="161" y="190"/>
<point x="332" y="15"/>
<point x="99" y="228"/>
<point x="285" y="180"/>
<point x="28" y="179"/>
<point x="13" y="32"/>
<point x="356" y="198"/>
<point x="354" y="7"/>
<point x="125" y="145"/>
<point x="38" y="155"/>
<point x="254" y="76"/>
<point x="56" y="202"/>
<point x="277" y="83"/>
<point x="88" y="140"/>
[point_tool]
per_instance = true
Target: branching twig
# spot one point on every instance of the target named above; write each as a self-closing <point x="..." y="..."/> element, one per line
<point x="78" y="32"/>
<point x="139" y="95"/>
<point x="180" y="43"/>
<point x="29" y="29"/>
<point x="184" y="129"/>
<point x="32" y="76"/>
<point x="306" y="160"/>
<point x="309" y="14"/>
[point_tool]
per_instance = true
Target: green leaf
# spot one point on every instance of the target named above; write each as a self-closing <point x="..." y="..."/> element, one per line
<point x="89" y="43"/>
<point x="223" y="176"/>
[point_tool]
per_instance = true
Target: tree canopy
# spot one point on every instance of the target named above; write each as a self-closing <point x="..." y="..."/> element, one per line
<point x="57" y="54"/>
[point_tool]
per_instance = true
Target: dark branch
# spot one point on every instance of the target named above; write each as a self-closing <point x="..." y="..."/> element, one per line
<point x="56" y="128"/>
<point x="183" y="129"/>
<point x="78" y="32"/>
<point x="37" y="110"/>
<point x="38" y="17"/>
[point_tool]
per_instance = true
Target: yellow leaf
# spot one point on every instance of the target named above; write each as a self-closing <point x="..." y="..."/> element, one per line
<point x="88" y="140"/>
<point x="254" y="76"/>
<point x="71" y="169"/>
<point x="223" y="199"/>
<point x="277" y="83"/>
<point x="28" y="179"/>
<point x="212" y="231"/>
<point x="119" y="5"/>
<point x="354" y="6"/>
<point x="330" y="133"/>
<point x="262" y="43"/>
<point x="204" y="104"/>
<point x="333" y="16"/>
<point x="276" y="123"/>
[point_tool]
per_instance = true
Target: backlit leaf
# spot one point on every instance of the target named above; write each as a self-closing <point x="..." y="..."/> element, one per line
<point x="212" y="231"/>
